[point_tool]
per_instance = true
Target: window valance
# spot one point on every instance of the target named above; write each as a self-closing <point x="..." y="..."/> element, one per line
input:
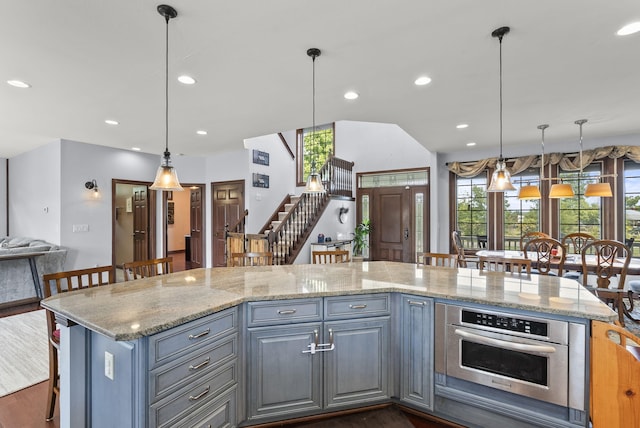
<point x="566" y="162"/>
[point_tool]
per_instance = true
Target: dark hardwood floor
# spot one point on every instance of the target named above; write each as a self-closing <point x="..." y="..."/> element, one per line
<point x="26" y="409"/>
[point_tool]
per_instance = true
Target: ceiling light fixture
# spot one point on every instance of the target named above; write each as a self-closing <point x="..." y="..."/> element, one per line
<point x="558" y="190"/>
<point x="187" y="80"/>
<point x="529" y="191"/>
<point x="18" y="84"/>
<point x="166" y="177"/>
<point x="628" y="29"/>
<point x="422" y="80"/>
<point x="201" y="132"/>
<point x="351" y="95"/>
<point x="599" y="189"/>
<point x="462" y="126"/>
<point x="111" y="122"/>
<point x="314" y="181"/>
<point x="471" y="143"/>
<point x="501" y="178"/>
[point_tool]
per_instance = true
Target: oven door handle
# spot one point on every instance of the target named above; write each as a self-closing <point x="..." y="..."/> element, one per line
<point x="504" y="344"/>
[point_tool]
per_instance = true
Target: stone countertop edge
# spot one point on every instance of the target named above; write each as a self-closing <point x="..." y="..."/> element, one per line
<point x="111" y="330"/>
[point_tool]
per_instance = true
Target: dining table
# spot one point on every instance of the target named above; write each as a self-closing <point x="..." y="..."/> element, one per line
<point x="573" y="262"/>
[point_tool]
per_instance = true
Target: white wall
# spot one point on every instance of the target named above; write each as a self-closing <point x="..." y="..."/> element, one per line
<point x="35" y="184"/>
<point x="4" y="209"/>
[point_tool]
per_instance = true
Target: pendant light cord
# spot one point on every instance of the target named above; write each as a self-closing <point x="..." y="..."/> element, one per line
<point x="500" y="39"/>
<point x="313" y="85"/>
<point x="166" y="93"/>
<point x="580" y="123"/>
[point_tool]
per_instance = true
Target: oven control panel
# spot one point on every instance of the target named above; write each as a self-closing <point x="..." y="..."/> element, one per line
<point x="503" y="322"/>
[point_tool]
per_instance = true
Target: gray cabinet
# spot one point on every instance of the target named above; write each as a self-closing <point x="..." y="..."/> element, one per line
<point x="298" y="368"/>
<point x="416" y="360"/>
<point x="193" y="370"/>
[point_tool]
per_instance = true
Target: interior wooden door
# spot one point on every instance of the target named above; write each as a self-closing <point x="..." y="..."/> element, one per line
<point x="228" y="204"/>
<point x="140" y="223"/>
<point x="391" y="238"/>
<point x="196" y="226"/>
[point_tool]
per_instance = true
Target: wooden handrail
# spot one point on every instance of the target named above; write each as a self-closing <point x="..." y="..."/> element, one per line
<point x="238" y="226"/>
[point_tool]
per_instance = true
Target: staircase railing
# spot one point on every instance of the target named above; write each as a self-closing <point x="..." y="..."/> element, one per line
<point x="286" y="240"/>
<point x="337" y="176"/>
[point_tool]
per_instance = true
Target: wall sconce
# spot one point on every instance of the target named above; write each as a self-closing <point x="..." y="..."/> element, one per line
<point x="342" y="214"/>
<point x="93" y="185"/>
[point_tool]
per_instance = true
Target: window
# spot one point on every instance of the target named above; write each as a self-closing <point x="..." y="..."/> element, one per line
<point x="471" y="211"/>
<point x="581" y="214"/>
<point x="632" y="204"/>
<point x="313" y="146"/>
<point x="520" y="216"/>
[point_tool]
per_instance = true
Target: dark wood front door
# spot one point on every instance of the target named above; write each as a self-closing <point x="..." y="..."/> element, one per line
<point x="140" y="223"/>
<point x="196" y="228"/>
<point x="228" y="204"/>
<point x="399" y="222"/>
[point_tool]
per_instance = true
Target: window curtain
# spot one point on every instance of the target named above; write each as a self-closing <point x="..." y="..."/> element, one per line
<point x="566" y="162"/>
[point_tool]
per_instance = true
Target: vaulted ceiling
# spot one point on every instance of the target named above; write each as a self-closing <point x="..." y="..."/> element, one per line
<point x="88" y="61"/>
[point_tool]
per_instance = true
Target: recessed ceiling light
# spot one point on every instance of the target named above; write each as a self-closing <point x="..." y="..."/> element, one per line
<point x="422" y="80"/>
<point x="111" y="122"/>
<point x="187" y="80"/>
<point x="634" y="27"/>
<point x="471" y="143"/>
<point x="462" y="126"/>
<point x="351" y="95"/>
<point x="201" y="132"/>
<point x="135" y="149"/>
<point x="18" y="84"/>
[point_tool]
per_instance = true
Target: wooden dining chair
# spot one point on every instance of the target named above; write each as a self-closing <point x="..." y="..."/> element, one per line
<point x="612" y="260"/>
<point x="546" y="252"/>
<point x="147" y="268"/>
<point x="529" y="236"/>
<point x="463" y="259"/>
<point x="437" y="259"/>
<point x="574" y="243"/>
<point x="325" y="257"/>
<point x="63" y="282"/>
<point x="504" y="264"/>
<point x="263" y="258"/>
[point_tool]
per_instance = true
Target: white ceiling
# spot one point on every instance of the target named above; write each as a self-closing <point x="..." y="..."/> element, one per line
<point x="90" y="60"/>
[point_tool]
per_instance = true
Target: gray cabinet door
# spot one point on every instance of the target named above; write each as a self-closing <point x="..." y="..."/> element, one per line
<point x="283" y="380"/>
<point x="357" y="370"/>
<point x="416" y="383"/>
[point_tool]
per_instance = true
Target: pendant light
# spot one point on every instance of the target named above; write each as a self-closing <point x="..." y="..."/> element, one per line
<point x="314" y="182"/>
<point x="559" y="190"/>
<point x="501" y="178"/>
<point x="593" y="189"/>
<point x="529" y="191"/>
<point x="166" y="177"/>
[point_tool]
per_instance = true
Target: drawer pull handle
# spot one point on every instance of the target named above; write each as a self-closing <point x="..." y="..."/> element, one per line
<point x="286" y="311"/>
<point x="357" y="306"/>
<point x="199" y="396"/>
<point x="199" y="335"/>
<point x="413" y="302"/>
<point x="202" y="364"/>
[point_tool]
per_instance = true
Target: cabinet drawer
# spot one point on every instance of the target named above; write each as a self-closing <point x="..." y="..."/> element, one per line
<point x="174" y="343"/>
<point x="284" y="311"/>
<point x="179" y="405"/>
<point x="170" y="377"/>
<point x="219" y="414"/>
<point x="356" y="306"/>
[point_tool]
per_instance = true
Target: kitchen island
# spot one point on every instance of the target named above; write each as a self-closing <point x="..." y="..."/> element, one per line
<point x="130" y="352"/>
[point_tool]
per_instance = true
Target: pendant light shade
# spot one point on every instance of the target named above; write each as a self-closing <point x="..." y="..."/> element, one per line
<point x="529" y="192"/>
<point x="501" y="178"/>
<point x="561" y="190"/>
<point x="166" y="177"/>
<point x="314" y="181"/>
<point x="602" y="190"/>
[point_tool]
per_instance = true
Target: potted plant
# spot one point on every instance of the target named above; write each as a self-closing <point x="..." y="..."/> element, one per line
<point x="360" y="238"/>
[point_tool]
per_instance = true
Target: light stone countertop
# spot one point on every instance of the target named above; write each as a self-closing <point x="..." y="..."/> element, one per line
<point x="130" y="310"/>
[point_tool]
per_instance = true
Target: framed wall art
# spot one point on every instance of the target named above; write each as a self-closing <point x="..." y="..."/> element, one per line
<point x="261" y="158"/>
<point x="260" y="180"/>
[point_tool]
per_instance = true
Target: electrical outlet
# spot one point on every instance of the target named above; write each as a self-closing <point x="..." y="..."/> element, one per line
<point x="80" y="227"/>
<point x="108" y="365"/>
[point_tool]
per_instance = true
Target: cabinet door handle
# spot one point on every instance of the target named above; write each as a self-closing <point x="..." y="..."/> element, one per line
<point x="286" y="311"/>
<point x="356" y="307"/>
<point x="199" y="335"/>
<point x="413" y="302"/>
<point x="202" y="364"/>
<point x="199" y="396"/>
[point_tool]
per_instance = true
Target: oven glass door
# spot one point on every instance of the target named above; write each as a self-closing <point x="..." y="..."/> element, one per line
<point x="523" y="366"/>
